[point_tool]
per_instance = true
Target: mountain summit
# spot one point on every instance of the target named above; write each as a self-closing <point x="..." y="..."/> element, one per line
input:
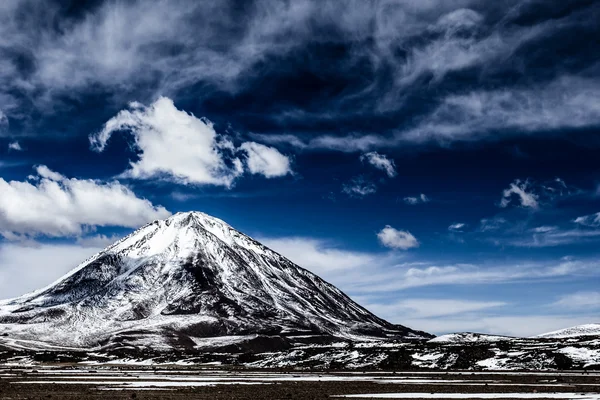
<point x="184" y="282"/>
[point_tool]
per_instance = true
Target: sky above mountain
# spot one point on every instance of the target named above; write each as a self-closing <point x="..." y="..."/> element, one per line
<point x="435" y="159"/>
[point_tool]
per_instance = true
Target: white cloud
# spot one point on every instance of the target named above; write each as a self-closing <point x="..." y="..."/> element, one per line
<point x="414" y="200"/>
<point x="15" y="146"/>
<point x="381" y="162"/>
<point x="178" y="146"/>
<point x="265" y="160"/>
<point x="592" y="220"/>
<point x="359" y="187"/>
<point x="521" y="189"/>
<point x="51" y="204"/>
<point x="586" y="300"/>
<point x="395" y="239"/>
<point x="457" y="227"/>
<point x="172" y="143"/>
<point x="24" y="269"/>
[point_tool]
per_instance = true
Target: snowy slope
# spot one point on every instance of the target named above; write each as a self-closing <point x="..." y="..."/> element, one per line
<point x="468" y="337"/>
<point x="175" y="282"/>
<point x="580" y="330"/>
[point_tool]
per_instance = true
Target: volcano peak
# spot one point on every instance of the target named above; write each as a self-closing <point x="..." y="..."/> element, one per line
<point x="190" y="275"/>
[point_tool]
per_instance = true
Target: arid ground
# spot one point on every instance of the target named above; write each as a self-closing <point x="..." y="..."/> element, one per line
<point x="184" y="382"/>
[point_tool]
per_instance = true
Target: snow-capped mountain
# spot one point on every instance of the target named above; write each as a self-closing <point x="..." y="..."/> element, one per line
<point x="574" y="331"/>
<point x="186" y="282"/>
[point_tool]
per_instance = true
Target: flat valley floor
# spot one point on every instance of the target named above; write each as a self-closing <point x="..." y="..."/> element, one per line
<point x="182" y="382"/>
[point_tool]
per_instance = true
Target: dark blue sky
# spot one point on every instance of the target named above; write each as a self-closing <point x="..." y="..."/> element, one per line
<point x="435" y="159"/>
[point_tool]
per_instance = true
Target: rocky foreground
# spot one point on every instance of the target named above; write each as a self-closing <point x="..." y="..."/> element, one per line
<point x="453" y="352"/>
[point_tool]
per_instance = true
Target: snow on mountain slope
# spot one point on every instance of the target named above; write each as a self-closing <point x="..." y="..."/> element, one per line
<point x="177" y="280"/>
<point x="468" y="337"/>
<point x="580" y="330"/>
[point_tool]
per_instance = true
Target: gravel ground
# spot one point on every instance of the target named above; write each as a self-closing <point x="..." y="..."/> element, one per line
<point x="76" y="382"/>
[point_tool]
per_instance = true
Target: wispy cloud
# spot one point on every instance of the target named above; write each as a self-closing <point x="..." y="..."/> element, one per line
<point x="553" y="238"/>
<point x="592" y="220"/>
<point x="544" y="229"/>
<point x="492" y="224"/>
<point x="359" y="187"/>
<point x="381" y="162"/>
<point x="586" y="300"/>
<point x="413" y="200"/>
<point x="521" y="190"/>
<point x="533" y="195"/>
<point x="411" y="275"/>
<point x="457" y="227"/>
<point x="568" y="102"/>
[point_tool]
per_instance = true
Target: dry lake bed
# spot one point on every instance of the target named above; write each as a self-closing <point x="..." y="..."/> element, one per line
<point x="185" y="382"/>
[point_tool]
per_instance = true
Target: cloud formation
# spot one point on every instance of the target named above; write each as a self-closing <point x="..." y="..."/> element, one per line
<point x="457" y="227"/>
<point x="265" y="160"/>
<point x="15" y="146"/>
<point x="579" y="300"/>
<point x="566" y="103"/>
<point x="380" y="161"/>
<point x="54" y="205"/>
<point x="553" y="237"/>
<point x="396" y="239"/>
<point x="592" y="220"/>
<point x="401" y="48"/>
<point x="414" y="200"/>
<point x="359" y="187"/>
<point x="521" y="190"/>
<point x="178" y="146"/>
